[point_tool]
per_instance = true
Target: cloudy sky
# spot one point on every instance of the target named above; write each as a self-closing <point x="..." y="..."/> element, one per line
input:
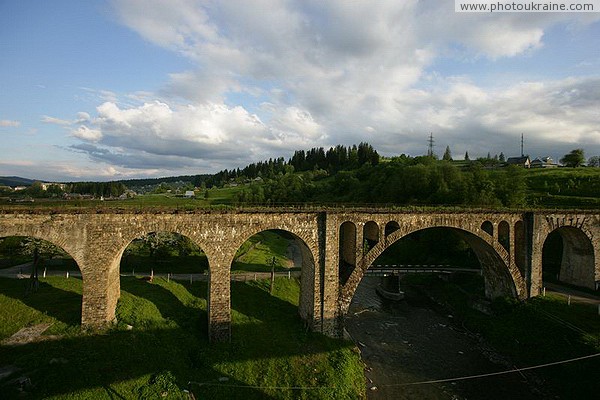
<point x="143" y="88"/>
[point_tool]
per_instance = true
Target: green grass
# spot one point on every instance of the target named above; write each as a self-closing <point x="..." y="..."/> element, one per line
<point x="58" y="301"/>
<point x="524" y="332"/>
<point x="564" y="187"/>
<point x="168" y="347"/>
<point x="217" y="197"/>
<point x="257" y="253"/>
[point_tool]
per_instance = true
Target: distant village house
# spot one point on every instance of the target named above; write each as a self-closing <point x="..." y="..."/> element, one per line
<point x="523" y="161"/>
<point x="544" y="162"/>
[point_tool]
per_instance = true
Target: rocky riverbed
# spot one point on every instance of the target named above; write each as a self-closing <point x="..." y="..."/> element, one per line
<point x="405" y="345"/>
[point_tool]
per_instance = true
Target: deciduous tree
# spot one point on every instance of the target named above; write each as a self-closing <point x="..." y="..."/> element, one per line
<point x="574" y="159"/>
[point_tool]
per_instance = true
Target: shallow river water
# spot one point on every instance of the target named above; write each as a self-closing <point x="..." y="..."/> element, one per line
<point x="409" y="343"/>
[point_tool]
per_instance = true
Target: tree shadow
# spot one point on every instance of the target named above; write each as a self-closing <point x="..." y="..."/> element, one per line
<point x="60" y="304"/>
<point x="253" y="300"/>
<point x="98" y="364"/>
<point x="169" y="305"/>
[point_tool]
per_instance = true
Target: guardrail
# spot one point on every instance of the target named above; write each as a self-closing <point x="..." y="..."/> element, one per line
<point x="383" y="270"/>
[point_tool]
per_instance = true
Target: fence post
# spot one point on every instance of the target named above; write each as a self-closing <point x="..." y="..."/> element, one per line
<point x="272" y="275"/>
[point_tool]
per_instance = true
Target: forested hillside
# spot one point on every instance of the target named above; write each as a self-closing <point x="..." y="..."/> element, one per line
<point x="358" y="175"/>
<point x="402" y="180"/>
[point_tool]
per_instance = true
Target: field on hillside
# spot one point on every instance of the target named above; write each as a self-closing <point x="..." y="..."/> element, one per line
<point x="564" y="187"/>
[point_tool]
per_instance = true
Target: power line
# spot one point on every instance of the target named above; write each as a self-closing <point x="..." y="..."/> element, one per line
<point x="461" y="378"/>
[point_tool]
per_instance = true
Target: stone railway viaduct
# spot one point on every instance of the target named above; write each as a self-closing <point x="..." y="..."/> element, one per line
<point x="338" y="245"/>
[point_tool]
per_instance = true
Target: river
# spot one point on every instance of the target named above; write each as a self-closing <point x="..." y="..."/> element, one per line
<point x="412" y="341"/>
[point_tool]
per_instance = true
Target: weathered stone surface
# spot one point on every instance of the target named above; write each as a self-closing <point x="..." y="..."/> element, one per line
<point x="514" y="268"/>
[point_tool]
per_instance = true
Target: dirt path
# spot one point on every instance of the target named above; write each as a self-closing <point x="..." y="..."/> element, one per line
<point x="410" y="342"/>
<point x="27" y="335"/>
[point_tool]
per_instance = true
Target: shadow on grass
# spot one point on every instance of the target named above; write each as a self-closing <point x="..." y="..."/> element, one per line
<point x="169" y="305"/>
<point x="253" y="300"/>
<point x="60" y="304"/>
<point x="146" y="362"/>
<point x="103" y="361"/>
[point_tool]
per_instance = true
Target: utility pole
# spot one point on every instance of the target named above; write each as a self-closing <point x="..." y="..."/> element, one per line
<point x="522" y="154"/>
<point x="272" y="275"/>
<point x="431" y="145"/>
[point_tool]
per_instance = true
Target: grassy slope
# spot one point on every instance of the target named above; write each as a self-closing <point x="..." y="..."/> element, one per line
<point x="257" y="252"/>
<point x="168" y="346"/>
<point x="216" y="197"/>
<point x="564" y="187"/>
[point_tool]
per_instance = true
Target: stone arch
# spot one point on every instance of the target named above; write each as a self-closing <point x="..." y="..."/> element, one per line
<point x="125" y="238"/>
<point x="370" y="235"/>
<point x="71" y="318"/>
<point x="184" y="240"/>
<point x="500" y="278"/>
<point x="390" y="228"/>
<point x="576" y="264"/>
<point x="133" y="232"/>
<point x="504" y="235"/>
<point x="61" y="244"/>
<point x="306" y="248"/>
<point x="59" y="236"/>
<point x="347" y="250"/>
<point x="488" y="227"/>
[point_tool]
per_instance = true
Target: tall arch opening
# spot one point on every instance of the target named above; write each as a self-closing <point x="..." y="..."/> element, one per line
<point x="347" y="251"/>
<point x="390" y="228"/>
<point x="272" y="277"/>
<point x="163" y="278"/>
<point x="370" y="236"/>
<point x="504" y="235"/>
<point x="568" y="257"/>
<point x="43" y="284"/>
<point x="520" y="247"/>
<point x="488" y="228"/>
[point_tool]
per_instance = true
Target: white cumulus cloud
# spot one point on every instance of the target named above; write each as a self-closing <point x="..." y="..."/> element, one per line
<point x="269" y="77"/>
